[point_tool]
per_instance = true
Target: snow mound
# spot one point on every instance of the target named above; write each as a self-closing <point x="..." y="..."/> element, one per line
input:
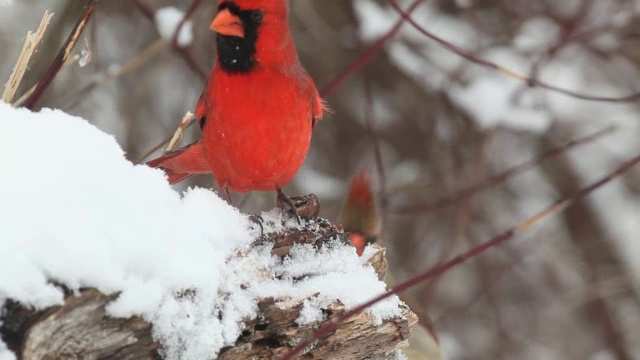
<point x="76" y="212"/>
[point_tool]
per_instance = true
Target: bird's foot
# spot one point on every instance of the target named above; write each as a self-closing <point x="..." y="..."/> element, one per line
<point x="227" y="195"/>
<point x="257" y="219"/>
<point x="286" y="204"/>
<point x="298" y="206"/>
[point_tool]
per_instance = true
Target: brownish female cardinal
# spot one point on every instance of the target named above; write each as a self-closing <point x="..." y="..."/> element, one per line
<point x="258" y="108"/>
<point x="359" y="215"/>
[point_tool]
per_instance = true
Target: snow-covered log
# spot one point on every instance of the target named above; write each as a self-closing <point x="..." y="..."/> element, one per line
<point x="101" y="258"/>
<point x="81" y="327"/>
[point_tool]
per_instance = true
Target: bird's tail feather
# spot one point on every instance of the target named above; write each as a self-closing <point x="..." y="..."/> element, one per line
<point x="182" y="163"/>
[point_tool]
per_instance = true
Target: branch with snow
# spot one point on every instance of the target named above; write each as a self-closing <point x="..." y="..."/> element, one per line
<point x="105" y="256"/>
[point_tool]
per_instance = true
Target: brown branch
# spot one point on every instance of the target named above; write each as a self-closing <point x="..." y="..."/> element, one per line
<point x="377" y="151"/>
<point x="29" y="48"/>
<point x="440" y="269"/>
<point x="597" y="251"/>
<point x="62" y="56"/>
<point x="185" y="52"/>
<point x="531" y="82"/>
<point x="367" y="55"/>
<point x="154" y="149"/>
<point x="114" y="72"/>
<point x="501" y="177"/>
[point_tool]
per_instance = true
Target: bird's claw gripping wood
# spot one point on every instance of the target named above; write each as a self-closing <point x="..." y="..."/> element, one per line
<point x="257" y="219"/>
<point x="186" y="121"/>
<point x="306" y="206"/>
<point x="286" y="204"/>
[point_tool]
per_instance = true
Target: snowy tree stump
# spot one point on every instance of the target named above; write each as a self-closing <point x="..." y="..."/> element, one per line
<point x="80" y="328"/>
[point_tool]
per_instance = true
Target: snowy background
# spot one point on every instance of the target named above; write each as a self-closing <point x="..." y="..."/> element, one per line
<point x="565" y="290"/>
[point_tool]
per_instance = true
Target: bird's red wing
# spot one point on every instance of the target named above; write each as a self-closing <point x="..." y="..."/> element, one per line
<point x="203" y="104"/>
<point x="182" y="163"/>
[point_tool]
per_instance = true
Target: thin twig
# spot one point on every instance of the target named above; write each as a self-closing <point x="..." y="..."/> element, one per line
<point x="531" y="82"/>
<point x="367" y="55"/>
<point x="440" y="269"/>
<point x="30" y="46"/>
<point x="186" y="121"/>
<point x="62" y="56"/>
<point x="153" y="149"/>
<point x="498" y="178"/>
<point x="114" y="72"/>
<point x="28" y="93"/>
<point x="377" y="151"/>
<point x="184" y="52"/>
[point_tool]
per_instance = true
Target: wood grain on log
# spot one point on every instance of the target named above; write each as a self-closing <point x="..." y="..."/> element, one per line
<point x="80" y="328"/>
<point x="357" y="338"/>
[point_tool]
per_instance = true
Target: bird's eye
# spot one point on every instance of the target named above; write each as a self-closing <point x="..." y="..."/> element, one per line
<point x="256" y="16"/>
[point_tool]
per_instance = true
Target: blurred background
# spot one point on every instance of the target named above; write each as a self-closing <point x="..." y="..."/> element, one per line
<point x="437" y="133"/>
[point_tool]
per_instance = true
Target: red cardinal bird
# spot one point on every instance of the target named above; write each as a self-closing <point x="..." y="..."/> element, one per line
<point x="359" y="214"/>
<point x="258" y="108"/>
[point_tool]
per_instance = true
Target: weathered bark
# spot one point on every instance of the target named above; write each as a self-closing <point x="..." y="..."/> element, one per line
<point x="80" y="328"/>
<point x="357" y="338"/>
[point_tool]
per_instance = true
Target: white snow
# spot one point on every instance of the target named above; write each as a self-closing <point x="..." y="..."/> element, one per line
<point x="490" y="99"/>
<point x="375" y="21"/>
<point x="74" y="210"/>
<point x="537" y="34"/>
<point x="310" y="312"/>
<point x="493" y="99"/>
<point x="335" y="272"/>
<point x="5" y="354"/>
<point x="399" y="355"/>
<point x="167" y="20"/>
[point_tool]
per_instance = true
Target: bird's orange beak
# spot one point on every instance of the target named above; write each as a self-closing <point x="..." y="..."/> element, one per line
<point x="226" y="23"/>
